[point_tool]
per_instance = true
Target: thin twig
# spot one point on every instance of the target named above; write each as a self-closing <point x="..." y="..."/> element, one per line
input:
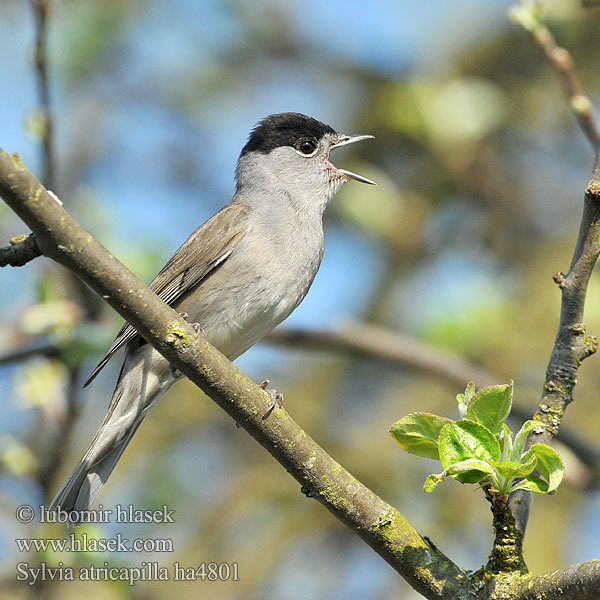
<point x="527" y="16"/>
<point x="51" y="461"/>
<point x="40" y="13"/>
<point x="47" y="349"/>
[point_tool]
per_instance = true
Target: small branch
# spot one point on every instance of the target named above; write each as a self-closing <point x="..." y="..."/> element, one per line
<point x="375" y="342"/>
<point x="40" y="13"/>
<point x="581" y="581"/>
<point x="53" y="456"/>
<point x="527" y="16"/>
<point x="20" y="251"/>
<point x="20" y="354"/>
<point x="572" y="344"/>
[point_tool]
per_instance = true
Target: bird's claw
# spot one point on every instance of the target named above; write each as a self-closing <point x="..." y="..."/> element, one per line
<point x="196" y="326"/>
<point x="276" y="399"/>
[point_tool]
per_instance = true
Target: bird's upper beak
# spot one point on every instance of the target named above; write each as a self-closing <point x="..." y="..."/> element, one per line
<point x="344" y="140"/>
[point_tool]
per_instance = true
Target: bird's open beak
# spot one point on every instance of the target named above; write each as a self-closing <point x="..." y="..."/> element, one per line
<point x="344" y="140"/>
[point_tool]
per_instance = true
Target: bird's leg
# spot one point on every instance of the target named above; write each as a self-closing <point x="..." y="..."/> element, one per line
<point x="276" y="398"/>
<point x="176" y="373"/>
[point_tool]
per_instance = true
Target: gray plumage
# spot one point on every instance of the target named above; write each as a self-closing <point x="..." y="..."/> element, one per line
<point x="238" y="275"/>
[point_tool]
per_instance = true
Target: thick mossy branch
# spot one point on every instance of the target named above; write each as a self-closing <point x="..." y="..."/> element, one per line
<point x="425" y="568"/>
<point x="581" y="581"/>
<point x="60" y="237"/>
<point x="507" y="552"/>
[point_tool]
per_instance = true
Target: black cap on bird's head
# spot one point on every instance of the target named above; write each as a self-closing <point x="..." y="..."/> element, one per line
<point x="308" y="136"/>
<point x="284" y="129"/>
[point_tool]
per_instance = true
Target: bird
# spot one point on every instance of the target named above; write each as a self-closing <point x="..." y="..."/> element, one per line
<point x="236" y="277"/>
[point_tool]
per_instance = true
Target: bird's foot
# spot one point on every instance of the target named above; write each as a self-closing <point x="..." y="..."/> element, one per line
<point x="196" y="326"/>
<point x="276" y="398"/>
<point x="176" y="373"/>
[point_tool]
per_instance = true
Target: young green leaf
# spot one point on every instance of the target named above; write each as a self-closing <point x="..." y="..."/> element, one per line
<point x="432" y="481"/>
<point x="490" y="406"/>
<point x="521" y="438"/>
<point x="506" y="441"/>
<point x="549" y="464"/>
<point x="465" y="440"/>
<point x="531" y="483"/>
<point x="418" y="433"/>
<point x="471" y="470"/>
<point x="466" y="471"/>
<point x="510" y="469"/>
<point x="464" y="399"/>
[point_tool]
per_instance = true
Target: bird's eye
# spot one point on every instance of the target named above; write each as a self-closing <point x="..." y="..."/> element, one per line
<point x="307" y="147"/>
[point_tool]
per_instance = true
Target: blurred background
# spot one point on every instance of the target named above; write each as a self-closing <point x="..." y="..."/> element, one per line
<point x="481" y="170"/>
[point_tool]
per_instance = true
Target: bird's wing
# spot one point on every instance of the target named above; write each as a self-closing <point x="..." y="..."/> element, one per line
<point x="208" y="247"/>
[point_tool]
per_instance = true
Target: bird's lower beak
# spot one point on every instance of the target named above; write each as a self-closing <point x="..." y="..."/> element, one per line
<point x="344" y="140"/>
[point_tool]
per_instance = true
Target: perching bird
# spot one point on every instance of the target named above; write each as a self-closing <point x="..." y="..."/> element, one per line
<point x="238" y="276"/>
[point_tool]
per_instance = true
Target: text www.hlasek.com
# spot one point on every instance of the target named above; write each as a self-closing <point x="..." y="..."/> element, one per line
<point x="83" y="543"/>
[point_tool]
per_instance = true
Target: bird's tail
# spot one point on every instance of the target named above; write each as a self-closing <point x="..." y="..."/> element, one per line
<point x="87" y="479"/>
<point x="145" y="376"/>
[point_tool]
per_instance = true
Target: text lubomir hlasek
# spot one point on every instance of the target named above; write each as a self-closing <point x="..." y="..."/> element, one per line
<point x="120" y="514"/>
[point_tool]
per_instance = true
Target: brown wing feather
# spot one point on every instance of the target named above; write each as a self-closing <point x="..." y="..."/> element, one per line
<point x="203" y="251"/>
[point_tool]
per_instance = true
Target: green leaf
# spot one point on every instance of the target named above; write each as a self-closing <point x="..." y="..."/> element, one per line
<point x="465" y="440"/>
<point x="466" y="471"/>
<point x="506" y="440"/>
<point x="490" y="406"/>
<point x="418" y="433"/>
<point x="521" y="438"/>
<point x="511" y="470"/>
<point x="471" y="470"/>
<point x="432" y="481"/>
<point x="549" y="464"/>
<point x="533" y="484"/>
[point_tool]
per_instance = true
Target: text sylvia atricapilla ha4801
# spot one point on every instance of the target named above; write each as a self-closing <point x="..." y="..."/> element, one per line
<point x="238" y="275"/>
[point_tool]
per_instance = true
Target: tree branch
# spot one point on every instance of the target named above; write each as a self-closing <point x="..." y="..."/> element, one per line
<point x="425" y="568"/>
<point x="375" y="342"/>
<point x="20" y="251"/>
<point x="45" y="349"/>
<point x="572" y="344"/>
<point x="581" y="581"/>
<point x="61" y="238"/>
<point x="527" y="16"/>
<point x="40" y="14"/>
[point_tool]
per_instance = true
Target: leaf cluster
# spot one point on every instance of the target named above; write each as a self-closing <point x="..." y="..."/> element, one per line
<point x="480" y="448"/>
